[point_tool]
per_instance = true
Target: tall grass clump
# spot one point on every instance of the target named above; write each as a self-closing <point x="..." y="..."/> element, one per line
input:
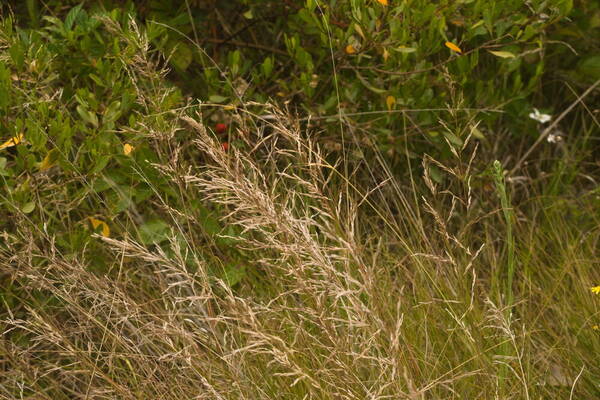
<point x="274" y="267"/>
<point x="349" y="295"/>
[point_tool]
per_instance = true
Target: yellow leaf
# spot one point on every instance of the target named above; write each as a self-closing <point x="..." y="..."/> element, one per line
<point x="359" y="30"/>
<point x="96" y="223"/>
<point x="390" y="101"/>
<point x="458" y="21"/>
<point x="477" y="133"/>
<point x="350" y="49"/>
<point x="404" y="49"/>
<point x="383" y="2"/>
<point x="12" y="141"/>
<point x="386" y="55"/>
<point x="453" y="47"/>
<point x="127" y="149"/>
<point x="48" y="161"/>
<point x="503" y="54"/>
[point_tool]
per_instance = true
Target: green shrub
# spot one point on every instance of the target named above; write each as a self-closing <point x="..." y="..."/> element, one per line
<point x="92" y="113"/>
<point x="298" y="53"/>
<point x="383" y="66"/>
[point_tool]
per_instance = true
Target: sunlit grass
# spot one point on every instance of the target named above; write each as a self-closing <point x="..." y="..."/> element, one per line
<point x="278" y="269"/>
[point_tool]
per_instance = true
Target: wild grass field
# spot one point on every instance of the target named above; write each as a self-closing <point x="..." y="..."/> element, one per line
<point x="300" y="200"/>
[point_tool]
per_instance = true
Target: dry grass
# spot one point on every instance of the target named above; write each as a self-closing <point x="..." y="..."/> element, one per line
<point x="358" y="287"/>
<point x="357" y="302"/>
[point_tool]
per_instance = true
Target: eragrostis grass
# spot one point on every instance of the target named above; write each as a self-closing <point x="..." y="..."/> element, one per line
<point x="357" y="286"/>
<point x="351" y="306"/>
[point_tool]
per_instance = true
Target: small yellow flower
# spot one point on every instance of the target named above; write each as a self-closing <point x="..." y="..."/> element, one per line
<point x="383" y="2"/>
<point x="596" y="289"/>
<point x="386" y="55"/>
<point x="390" y="101"/>
<point x="127" y="149"/>
<point x="350" y="49"/>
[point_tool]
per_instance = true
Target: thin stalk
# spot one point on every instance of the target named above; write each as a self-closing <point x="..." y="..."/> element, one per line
<point x="508" y="296"/>
<point x="510" y="241"/>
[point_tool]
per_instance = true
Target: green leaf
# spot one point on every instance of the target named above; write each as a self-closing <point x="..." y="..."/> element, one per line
<point x="17" y="54"/>
<point x="5" y="86"/>
<point x="100" y="164"/>
<point x="590" y="66"/>
<point x="72" y="17"/>
<point x="234" y="274"/>
<point x="477" y="133"/>
<point x="217" y="99"/>
<point x="154" y="232"/>
<point x="565" y="6"/>
<point x="368" y="85"/>
<point x="97" y="80"/>
<point x="267" y="67"/>
<point x="182" y="57"/>
<point x="435" y="173"/>
<point x="452" y="138"/>
<point x="87" y="116"/>
<point x="32" y="9"/>
<point x="112" y="112"/>
<point x="28" y="207"/>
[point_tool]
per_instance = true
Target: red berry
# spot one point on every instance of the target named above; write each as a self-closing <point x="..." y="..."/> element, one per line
<point x="225" y="146"/>
<point x="221" y="128"/>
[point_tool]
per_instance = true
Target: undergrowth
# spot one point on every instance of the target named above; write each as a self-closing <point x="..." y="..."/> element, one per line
<point x="276" y="267"/>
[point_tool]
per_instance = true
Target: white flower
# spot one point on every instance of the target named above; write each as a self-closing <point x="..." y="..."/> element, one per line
<point x="543" y="118"/>
<point x="555" y="137"/>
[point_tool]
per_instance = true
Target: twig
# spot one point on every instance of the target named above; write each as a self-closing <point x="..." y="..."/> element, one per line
<point x="486" y="45"/>
<point x="245" y="44"/>
<point x="315" y="118"/>
<point x="553" y="125"/>
<point x="575" y="382"/>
